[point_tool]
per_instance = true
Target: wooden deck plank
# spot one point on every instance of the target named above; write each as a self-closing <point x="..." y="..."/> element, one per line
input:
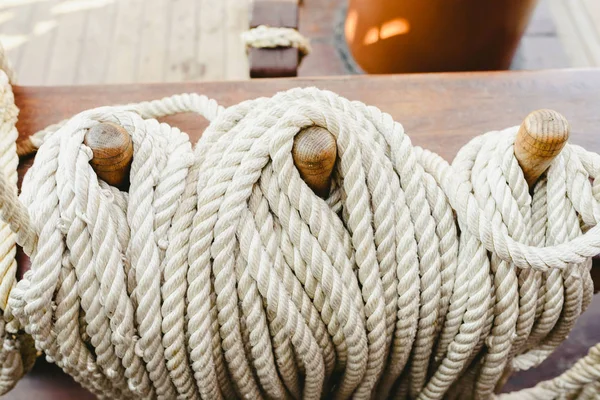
<point x="122" y="63"/>
<point x="236" y="61"/>
<point x="180" y="57"/>
<point x="96" y="51"/>
<point x="540" y="52"/>
<point x="15" y="30"/>
<point x="67" y="45"/>
<point x="37" y="51"/>
<point x="211" y="39"/>
<point x="570" y="36"/>
<point x="593" y="11"/>
<point x="587" y="31"/>
<point x="153" y="41"/>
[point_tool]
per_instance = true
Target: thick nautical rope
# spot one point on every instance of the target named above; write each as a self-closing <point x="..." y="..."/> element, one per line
<point x="17" y="353"/>
<point x="220" y="273"/>
<point x="270" y="37"/>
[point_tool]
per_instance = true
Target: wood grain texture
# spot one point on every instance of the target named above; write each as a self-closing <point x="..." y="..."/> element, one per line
<point x="273" y="63"/>
<point x="180" y="57"/>
<point x="438" y="111"/>
<point x="541" y="137"/>
<point x="314" y="153"/>
<point x="121" y="66"/>
<point x="61" y="42"/>
<point x="37" y="52"/>
<point x="112" y="147"/>
<point x="66" y="49"/>
<point x="211" y="39"/>
<point x="96" y="50"/>
<point x="153" y="41"/>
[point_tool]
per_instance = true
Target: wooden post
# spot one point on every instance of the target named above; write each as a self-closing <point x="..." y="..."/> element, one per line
<point x="275" y="62"/>
<point x="113" y="152"/>
<point x="541" y="137"/>
<point x="314" y="153"/>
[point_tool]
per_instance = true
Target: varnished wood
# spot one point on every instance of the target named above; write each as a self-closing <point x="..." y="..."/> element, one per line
<point x="314" y="154"/>
<point x="280" y="62"/>
<point x="541" y="137"/>
<point x="438" y="111"/>
<point x="113" y="151"/>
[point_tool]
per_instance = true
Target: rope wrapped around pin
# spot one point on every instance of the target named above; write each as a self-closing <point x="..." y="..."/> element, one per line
<point x="220" y="273"/>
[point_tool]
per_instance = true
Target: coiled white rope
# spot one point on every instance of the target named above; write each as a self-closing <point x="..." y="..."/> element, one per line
<point x="220" y="273"/>
<point x="270" y="37"/>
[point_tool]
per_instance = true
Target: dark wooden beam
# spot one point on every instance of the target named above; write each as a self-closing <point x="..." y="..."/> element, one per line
<point x="280" y="61"/>
<point x="279" y="13"/>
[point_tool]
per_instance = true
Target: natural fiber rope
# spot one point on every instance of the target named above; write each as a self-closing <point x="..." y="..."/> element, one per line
<point x="270" y="37"/>
<point x="220" y="270"/>
<point x="220" y="273"/>
<point x="17" y="353"/>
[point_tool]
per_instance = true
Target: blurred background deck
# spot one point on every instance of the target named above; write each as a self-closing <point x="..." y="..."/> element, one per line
<point x="64" y="42"/>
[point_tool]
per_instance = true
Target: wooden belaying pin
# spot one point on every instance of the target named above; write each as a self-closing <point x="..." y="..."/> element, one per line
<point x="113" y="153"/>
<point x="541" y="137"/>
<point x="314" y="153"/>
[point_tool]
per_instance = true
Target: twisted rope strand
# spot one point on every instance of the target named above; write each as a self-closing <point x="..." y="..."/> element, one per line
<point x="220" y="274"/>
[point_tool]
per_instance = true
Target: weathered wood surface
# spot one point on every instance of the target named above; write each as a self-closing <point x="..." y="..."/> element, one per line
<point x="65" y="42"/>
<point x="439" y="111"/>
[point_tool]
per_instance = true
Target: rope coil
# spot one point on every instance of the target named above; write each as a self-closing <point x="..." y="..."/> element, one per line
<point x="221" y="274"/>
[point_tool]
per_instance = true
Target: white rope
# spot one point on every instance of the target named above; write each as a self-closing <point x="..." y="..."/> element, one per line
<point x="221" y="274"/>
<point x="5" y="66"/>
<point x="17" y="353"/>
<point x="270" y="37"/>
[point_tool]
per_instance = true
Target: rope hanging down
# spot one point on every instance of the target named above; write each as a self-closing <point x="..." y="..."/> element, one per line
<point x="221" y="274"/>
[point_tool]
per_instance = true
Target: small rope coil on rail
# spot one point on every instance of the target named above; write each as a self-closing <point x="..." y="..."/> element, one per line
<point x="271" y="37"/>
<point x="219" y="273"/>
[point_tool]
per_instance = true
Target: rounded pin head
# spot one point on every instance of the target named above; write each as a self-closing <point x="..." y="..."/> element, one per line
<point x="314" y="153"/>
<point x="541" y="137"/>
<point x="112" y="149"/>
